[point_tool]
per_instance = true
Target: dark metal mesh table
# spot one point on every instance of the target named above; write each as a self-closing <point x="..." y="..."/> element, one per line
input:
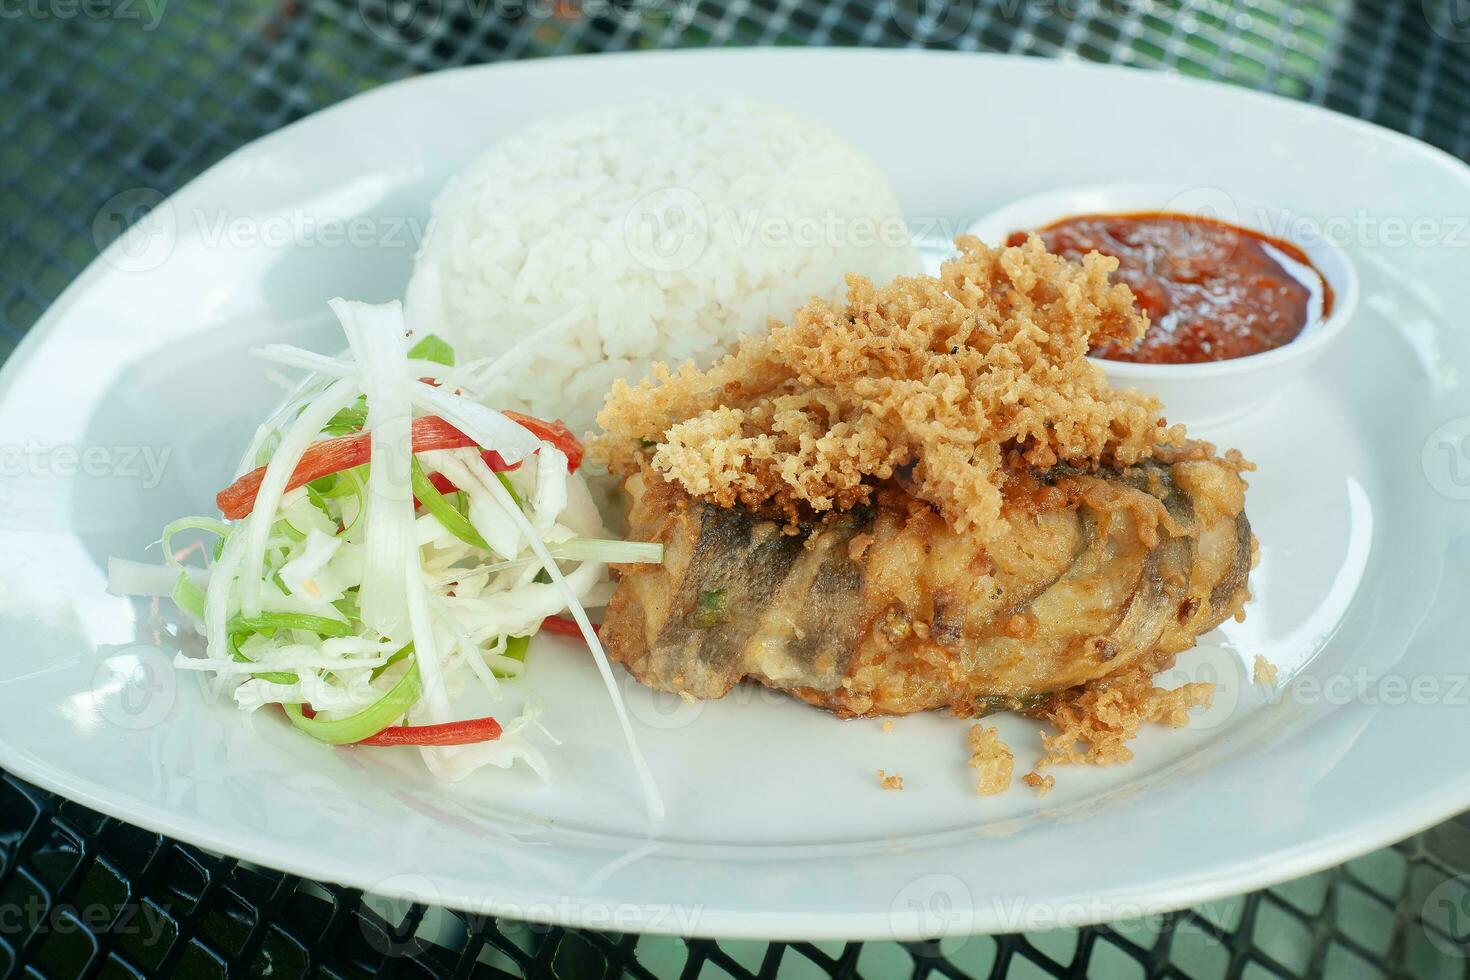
<point x="102" y="97"/>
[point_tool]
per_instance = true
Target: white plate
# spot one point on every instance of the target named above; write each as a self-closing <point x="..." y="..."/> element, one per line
<point x="776" y="826"/>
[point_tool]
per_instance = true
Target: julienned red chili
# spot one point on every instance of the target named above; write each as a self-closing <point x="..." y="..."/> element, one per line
<point x="468" y="732"/>
<point x="429" y="433"/>
<point x="561" y="626"/>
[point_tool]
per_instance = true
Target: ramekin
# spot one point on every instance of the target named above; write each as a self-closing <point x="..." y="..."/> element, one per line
<point x="1216" y="391"/>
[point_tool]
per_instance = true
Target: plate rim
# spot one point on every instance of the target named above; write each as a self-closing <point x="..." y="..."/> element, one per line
<point x="1409" y="816"/>
<point x="1245" y="876"/>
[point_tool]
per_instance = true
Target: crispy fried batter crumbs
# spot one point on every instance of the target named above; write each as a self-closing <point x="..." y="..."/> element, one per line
<point x="887" y="725"/>
<point x="1094" y="724"/>
<point x="992" y="757"/>
<point x="1264" y="672"/>
<point x="894" y="781"/>
<point x="966" y="378"/>
<point x="1042" y="784"/>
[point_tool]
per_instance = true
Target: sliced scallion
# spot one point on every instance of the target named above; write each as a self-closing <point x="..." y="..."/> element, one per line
<point x="348" y="420"/>
<point x="515" y="649"/>
<point x="394" y="704"/>
<point x="269" y="622"/>
<point x="272" y="676"/>
<point x="188" y="596"/>
<point x="209" y="524"/>
<point x="432" y="348"/>
<point x="442" y="510"/>
<point x="710" y="610"/>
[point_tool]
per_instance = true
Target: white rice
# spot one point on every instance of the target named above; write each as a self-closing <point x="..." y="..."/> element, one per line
<point x="655" y="232"/>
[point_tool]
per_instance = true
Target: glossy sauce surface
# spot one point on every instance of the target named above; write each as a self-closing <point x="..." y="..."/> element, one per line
<point x="1213" y="291"/>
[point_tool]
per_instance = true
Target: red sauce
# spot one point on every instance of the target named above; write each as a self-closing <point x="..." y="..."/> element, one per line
<point x="1212" y="291"/>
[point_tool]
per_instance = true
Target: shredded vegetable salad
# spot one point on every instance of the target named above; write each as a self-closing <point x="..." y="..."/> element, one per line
<point x="389" y="539"/>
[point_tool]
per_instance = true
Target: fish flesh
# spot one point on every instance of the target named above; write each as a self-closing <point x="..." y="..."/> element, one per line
<point x="885" y="609"/>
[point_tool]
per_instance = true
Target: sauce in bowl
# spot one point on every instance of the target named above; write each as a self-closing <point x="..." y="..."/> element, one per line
<point x="1213" y="291"/>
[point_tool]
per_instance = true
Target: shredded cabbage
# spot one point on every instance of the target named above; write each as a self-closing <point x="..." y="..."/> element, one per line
<point x="257" y="527"/>
<point x="371" y="597"/>
<point x="375" y="334"/>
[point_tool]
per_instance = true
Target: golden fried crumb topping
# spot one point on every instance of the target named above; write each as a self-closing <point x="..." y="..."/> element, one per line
<point x="1094" y="724"/>
<point x="953" y="383"/>
<point x="1042" y="784"/>
<point x="992" y="757"/>
<point x="894" y="781"/>
<point x="1264" y="672"/>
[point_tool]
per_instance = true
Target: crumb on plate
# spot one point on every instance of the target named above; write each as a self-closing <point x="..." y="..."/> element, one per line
<point x="888" y="724"/>
<point x="1094" y="724"/>
<point x="1264" y="672"/>
<point x="1042" y="784"/>
<point x="992" y="757"/>
<point x="894" y="781"/>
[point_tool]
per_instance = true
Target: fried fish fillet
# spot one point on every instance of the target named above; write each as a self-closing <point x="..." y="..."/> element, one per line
<point x="884" y="609"/>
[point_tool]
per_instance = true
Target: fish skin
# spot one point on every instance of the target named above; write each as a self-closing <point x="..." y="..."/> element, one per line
<point x="886" y="610"/>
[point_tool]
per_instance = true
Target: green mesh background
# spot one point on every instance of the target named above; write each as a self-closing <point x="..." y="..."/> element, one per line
<point x="102" y="97"/>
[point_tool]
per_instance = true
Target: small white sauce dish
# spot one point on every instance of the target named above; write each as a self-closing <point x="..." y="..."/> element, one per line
<point x="1216" y="391"/>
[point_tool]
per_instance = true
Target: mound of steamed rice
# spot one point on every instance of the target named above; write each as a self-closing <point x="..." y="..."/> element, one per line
<point x="653" y="232"/>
